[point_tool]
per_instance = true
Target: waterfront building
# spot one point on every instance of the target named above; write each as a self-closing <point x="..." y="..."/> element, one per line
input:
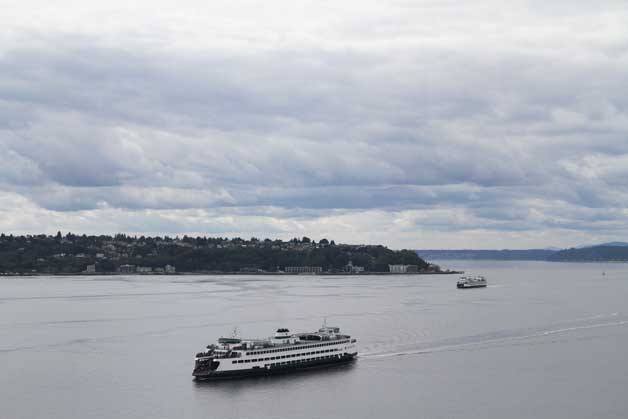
<point x="402" y="269"/>
<point x="355" y="269"/>
<point x="303" y="269"/>
<point x="127" y="269"/>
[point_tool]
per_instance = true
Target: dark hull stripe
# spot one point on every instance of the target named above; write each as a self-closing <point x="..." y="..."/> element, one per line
<point x="278" y="369"/>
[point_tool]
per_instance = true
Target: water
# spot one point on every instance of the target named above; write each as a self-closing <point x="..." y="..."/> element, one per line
<point x="543" y="340"/>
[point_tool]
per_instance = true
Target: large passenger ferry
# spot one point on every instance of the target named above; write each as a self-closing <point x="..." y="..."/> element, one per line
<point x="284" y="352"/>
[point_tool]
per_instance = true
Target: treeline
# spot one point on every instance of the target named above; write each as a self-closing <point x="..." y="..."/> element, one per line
<point x="72" y="253"/>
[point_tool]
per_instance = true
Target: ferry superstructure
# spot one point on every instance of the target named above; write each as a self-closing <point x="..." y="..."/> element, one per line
<point x="235" y="357"/>
<point x="471" y="282"/>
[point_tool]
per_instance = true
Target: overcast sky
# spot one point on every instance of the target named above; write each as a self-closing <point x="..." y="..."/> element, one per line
<point x="416" y="124"/>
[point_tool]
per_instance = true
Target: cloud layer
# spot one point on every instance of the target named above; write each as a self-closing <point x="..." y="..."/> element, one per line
<point x="415" y="124"/>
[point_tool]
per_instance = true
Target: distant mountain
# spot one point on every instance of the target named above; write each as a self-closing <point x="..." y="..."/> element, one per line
<point x="605" y="252"/>
<point x="469" y="254"/>
<point x="609" y="244"/>
<point x="612" y="244"/>
<point x="600" y="253"/>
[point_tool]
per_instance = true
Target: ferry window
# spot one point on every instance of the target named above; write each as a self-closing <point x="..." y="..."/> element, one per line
<point x="233" y="362"/>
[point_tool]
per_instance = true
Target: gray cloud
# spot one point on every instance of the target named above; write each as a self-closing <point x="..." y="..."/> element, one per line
<point x="419" y="126"/>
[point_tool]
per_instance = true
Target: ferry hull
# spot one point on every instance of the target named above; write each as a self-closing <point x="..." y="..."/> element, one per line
<point x="472" y="286"/>
<point x="279" y="369"/>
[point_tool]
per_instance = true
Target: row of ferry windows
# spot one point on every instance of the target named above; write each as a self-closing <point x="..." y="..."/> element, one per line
<point x="296" y="361"/>
<point x="293" y="348"/>
<point x="283" y="356"/>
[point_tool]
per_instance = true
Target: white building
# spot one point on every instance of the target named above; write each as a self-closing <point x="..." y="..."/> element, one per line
<point x="350" y="267"/>
<point x="170" y="269"/>
<point x="402" y="269"/>
<point x="127" y="269"/>
<point x="303" y="269"/>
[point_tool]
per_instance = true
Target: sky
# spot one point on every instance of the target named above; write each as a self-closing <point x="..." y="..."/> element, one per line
<point x="414" y="124"/>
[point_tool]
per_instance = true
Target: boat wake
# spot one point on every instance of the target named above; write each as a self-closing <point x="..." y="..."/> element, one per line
<point x="492" y="339"/>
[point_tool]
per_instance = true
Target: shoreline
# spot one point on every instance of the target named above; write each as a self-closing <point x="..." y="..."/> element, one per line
<point x="213" y="273"/>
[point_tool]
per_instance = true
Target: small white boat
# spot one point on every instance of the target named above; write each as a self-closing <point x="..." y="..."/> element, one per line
<point x="471" y="282"/>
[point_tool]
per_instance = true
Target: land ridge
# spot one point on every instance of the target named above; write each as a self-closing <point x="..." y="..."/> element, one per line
<point x="125" y="254"/>
<point x="606" y="252"/>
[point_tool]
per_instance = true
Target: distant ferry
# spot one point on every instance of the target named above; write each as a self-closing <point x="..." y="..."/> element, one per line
<point x="284" y="352"/>
<point x="471" y="282"/>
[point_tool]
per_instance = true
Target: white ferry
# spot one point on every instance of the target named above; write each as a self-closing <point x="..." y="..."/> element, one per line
<point x="234" y="357"/>
<point x="471" y="282"/>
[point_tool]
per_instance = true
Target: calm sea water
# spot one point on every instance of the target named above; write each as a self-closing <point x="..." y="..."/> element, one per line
<point x="543" y="340"/>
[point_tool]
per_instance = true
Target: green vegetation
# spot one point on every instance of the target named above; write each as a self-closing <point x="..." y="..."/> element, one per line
<point x="73" y="254"/>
